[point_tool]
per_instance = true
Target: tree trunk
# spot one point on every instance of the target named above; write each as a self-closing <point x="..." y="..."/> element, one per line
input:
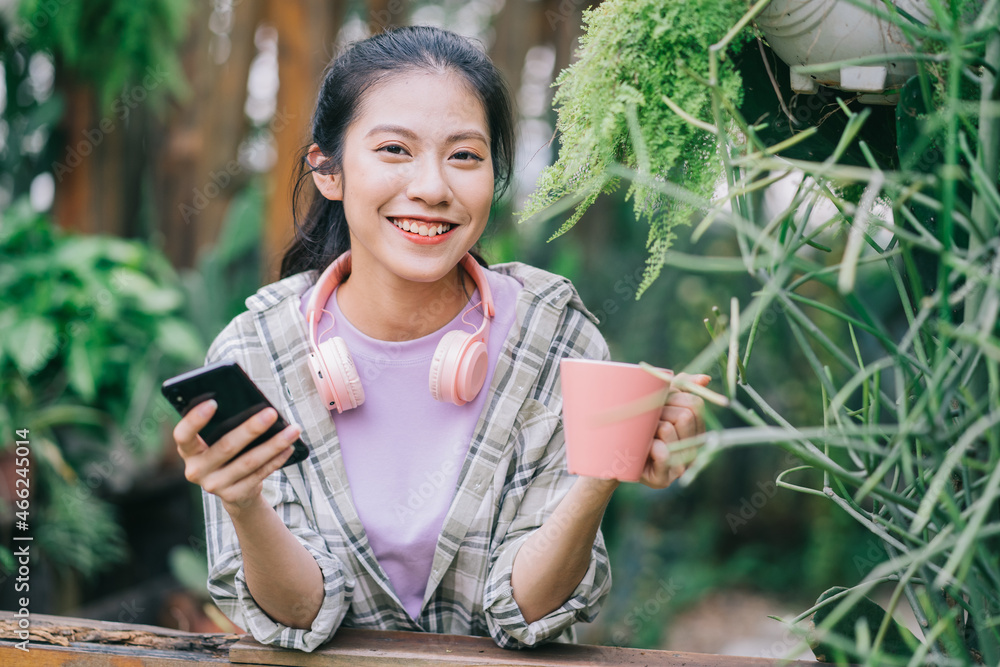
<point x="197" y="169"/>
<point x="99" y="175"/>
<point x="307" y="32"/>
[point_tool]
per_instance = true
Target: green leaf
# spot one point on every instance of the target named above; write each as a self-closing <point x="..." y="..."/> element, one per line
<point x="241" y="228"/>
<point x="7" y="564"/>
<point x="23" y="228"/>
<point x="32" y="342"/>
<point x="152" y="298"/>
<point x="179" y="340"/>
<point x="190" y="568"/>
<point x="898" y="641"/>
<point x="81" y="373"/>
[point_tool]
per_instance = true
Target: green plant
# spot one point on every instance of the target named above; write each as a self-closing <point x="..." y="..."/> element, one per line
<point x="636" y="97"/>
<point x="909" y="442"/>
<point x="145" y="35"/>
<point x="88" y="328"/>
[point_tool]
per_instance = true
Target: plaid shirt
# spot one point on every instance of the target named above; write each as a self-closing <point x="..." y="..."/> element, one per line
<point x="513" y="477"/>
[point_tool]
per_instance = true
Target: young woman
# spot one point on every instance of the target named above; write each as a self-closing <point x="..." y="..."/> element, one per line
<point x="425" y="384"/>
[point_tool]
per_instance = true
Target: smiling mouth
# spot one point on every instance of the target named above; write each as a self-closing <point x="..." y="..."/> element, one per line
<point x="422" y="228"/>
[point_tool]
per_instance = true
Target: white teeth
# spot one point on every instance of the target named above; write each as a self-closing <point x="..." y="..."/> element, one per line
<point x="421" y="228"/>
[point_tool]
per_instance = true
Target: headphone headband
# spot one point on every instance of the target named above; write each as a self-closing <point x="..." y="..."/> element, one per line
<point x="458" y="368"/>
<point x="340" y="268"/>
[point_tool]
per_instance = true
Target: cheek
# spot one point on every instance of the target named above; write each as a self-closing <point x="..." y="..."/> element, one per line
<point x="372" y="182"/>
<point x="478" y="189"/>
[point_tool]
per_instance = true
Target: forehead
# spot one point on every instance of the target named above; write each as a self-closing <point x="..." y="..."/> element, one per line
<point x="428" y="103"/>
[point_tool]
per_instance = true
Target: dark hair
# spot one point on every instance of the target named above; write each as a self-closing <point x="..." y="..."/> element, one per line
<point x="323" y="235"/>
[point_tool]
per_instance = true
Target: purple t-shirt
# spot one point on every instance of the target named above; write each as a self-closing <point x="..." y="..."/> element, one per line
<point x="403" y="450"/>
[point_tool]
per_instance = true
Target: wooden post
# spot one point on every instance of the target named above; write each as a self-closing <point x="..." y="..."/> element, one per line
<point x="307" y="32"/>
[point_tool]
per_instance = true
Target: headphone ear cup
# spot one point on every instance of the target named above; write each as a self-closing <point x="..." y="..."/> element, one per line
<point x="458" y="369"/>
<point x="471" y="371"/>
<point x="321" y="378"/>
<point x="442" y="377"/>
<point x="345" y="385"/>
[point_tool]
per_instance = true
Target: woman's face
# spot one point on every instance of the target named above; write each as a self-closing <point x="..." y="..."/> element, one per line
<point x="417" y="157"/>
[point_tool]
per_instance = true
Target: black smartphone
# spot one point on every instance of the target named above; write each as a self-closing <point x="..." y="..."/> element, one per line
<point x="238" y="399"/>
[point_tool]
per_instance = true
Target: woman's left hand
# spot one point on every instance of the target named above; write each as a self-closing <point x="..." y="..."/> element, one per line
<point x="680" y="418"/>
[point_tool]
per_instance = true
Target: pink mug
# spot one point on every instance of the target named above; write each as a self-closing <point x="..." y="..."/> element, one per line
<point x="610" y="414"/>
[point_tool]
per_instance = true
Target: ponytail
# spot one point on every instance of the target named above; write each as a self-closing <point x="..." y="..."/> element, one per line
<point x="319" y="238"/>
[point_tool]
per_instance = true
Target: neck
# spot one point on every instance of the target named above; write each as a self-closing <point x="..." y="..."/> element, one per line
<point x="386" y="307"/>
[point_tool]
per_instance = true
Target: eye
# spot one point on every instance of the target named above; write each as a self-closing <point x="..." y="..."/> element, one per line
<point x="392" y="149"/>
<point x="467" y="155"/>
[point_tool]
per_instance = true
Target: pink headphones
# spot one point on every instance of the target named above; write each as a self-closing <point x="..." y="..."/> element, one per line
<point x="458" y="369"/>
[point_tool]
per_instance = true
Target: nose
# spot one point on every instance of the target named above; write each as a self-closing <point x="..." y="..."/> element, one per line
<point x="428" y="183"/>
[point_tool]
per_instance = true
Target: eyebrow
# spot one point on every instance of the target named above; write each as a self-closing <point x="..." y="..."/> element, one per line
<point x="409" y="134"/>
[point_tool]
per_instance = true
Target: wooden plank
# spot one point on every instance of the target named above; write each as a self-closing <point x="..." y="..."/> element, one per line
<point x="58" y="640"/>
<point x="352" y="647"/>
<point x="100" y="655"/>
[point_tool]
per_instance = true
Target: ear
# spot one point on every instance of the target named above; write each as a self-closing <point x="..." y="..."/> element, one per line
<point x="329" y="185"/>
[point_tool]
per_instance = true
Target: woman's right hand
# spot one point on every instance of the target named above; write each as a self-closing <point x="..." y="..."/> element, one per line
<point x="237" y="482"/>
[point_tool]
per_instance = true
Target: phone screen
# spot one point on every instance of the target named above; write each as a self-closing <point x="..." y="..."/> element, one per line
<point x="238" y="399"/>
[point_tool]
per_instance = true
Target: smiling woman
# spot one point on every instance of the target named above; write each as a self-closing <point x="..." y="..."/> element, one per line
<point x="425" y="383"/>
<point x="417" y="197"/>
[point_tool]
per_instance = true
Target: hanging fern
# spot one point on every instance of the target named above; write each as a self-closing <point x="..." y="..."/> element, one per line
<point x="114" y="44"/>
<point x="611" y="110"/>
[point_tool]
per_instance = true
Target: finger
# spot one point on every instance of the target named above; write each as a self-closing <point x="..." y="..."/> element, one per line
<point x="689" y="402"/>
<point x="249" y="465"/>
<point x="684" y="421"/>
<point x="653" y="473"/>
<point x="700" y="379"/>
<point x="189" y="443"/>
<point x="252" y="484"/>
<point x="683" y="399"/>
<point x="675" y="472"/>
<point x="233" y="442"/>
<point x="666" y="432"/>
<point x="658" y="472"/>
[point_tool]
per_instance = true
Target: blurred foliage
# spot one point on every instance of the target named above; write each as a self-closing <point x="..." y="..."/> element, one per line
<point x="88" y="328"/>
<point x="29" y="112"/>
<point x="884" y="397"/>
<point x="112" y="44"/>
<point x="228" y="272"/>
<point x="637" y="59"/>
